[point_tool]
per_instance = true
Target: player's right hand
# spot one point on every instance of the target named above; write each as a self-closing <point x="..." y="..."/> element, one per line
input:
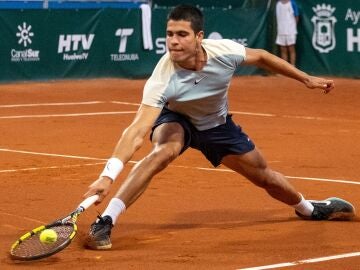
<point x="316" y="82"/>
<point x="101" y="187"/>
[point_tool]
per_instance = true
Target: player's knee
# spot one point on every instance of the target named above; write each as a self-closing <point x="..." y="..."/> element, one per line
<point x="164" y="154"/>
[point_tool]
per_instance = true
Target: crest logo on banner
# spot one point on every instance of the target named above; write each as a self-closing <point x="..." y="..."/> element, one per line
<point x="323" y="38"/>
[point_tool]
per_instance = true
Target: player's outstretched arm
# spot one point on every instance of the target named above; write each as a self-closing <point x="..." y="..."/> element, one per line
<point x="270" y="62"/>
<point x="133" y="136"/>
<point x="131" y="140"/>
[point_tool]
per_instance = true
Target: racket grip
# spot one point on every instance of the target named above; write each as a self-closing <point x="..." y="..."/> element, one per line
<point x="89" y="201"/>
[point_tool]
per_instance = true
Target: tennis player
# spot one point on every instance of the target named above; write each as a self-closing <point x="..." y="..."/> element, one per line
<point x="185" y="105"/>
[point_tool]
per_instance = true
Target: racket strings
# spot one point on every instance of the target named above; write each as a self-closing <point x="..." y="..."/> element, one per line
<point x="33" y="247"/>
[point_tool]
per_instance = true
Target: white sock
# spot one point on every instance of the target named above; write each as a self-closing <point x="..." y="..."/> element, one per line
<point x="304" y="207"/>
<point x="114" y="209"/>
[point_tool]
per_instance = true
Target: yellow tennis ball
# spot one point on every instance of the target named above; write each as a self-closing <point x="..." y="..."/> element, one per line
<point x="48" y="236"/>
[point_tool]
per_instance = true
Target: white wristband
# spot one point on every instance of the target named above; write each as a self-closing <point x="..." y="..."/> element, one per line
<point x="112" y="168"/>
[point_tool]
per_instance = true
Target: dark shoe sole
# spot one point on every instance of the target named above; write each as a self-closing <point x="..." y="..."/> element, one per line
<point x="90" y="244"/>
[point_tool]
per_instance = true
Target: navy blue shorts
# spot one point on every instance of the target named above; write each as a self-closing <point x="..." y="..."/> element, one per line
<point x="214" y="143"/>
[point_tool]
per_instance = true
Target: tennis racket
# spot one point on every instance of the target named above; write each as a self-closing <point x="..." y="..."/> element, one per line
<point x="29" y="247"/>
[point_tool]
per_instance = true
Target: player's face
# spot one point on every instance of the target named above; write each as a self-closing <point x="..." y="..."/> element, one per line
<point x="182" y="42"/>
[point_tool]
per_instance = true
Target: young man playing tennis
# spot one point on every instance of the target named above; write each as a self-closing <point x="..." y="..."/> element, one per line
<point x="185" y="104"/>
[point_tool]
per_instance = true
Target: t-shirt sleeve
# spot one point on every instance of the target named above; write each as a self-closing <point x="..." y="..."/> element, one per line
<point x="157" y="86"/>
<point x="232" y="51"/>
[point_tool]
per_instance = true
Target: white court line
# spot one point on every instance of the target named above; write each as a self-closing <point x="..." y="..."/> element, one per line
<point x="254" y="114"/>
<point x="52" y="104"/>
<point x="22" y="217"/>
<point x="324" y="180"/>
<point x="47" y="154"/>
<point x="64" y="115"/>
<point x="296" y="117"/>
<point x="51" y="167"/>
<point x="306" y="261"/>
<point x="343" y="181"/>
<point x="138" y="104"/>
<point x="125" y="103"/>
<point x="67" y="104"/>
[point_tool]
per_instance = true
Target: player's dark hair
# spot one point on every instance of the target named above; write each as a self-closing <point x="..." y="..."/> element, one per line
<point x="188" y="13"/>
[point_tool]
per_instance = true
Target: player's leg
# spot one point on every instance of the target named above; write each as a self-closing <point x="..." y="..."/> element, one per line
<point x="229" y="145"/>
<point x="253" y="166"/>
<point x="168" y="142"/>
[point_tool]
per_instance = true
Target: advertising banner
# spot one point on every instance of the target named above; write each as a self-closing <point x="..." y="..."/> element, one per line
<point x="59" y="44"/>
<point x="43" y="44"/>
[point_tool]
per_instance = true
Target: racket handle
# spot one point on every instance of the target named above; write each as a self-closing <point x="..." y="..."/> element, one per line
<point x="89" y="201"/>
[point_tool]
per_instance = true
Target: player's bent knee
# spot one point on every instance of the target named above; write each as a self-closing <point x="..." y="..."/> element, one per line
<point x="164" y="154"/>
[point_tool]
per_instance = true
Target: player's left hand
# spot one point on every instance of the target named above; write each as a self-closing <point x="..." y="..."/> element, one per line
<point x="101" y="187"/>
<point x="316" y="82"/>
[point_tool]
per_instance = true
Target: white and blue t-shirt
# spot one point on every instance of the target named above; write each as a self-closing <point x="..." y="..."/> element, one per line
<point x="201" y="96"/>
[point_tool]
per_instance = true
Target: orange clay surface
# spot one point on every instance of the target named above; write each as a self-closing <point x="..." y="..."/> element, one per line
<point x="56" y="136"/>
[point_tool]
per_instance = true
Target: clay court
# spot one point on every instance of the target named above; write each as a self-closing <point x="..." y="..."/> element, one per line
<point x="56" y="136"/>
